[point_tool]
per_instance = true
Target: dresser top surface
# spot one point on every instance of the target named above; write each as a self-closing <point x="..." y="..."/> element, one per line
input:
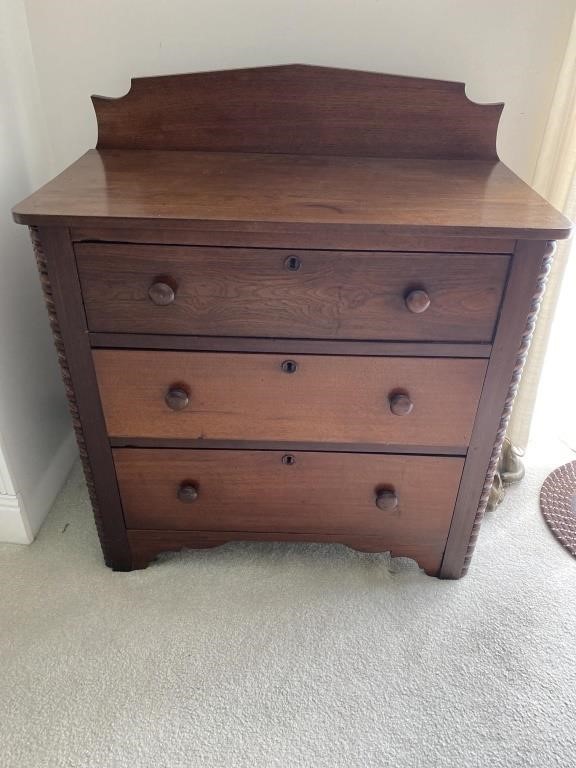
<point x="116" y="187"/>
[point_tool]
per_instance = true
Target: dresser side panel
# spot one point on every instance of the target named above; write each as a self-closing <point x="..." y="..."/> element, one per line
<point x="61" y="286"/>
<point x="526" y="284"/>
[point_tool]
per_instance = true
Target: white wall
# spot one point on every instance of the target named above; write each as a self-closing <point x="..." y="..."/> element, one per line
<point x="505" y="50"/>
<point x="36" y="445"/>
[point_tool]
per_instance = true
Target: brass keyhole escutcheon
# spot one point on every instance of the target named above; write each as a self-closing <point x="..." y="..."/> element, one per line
<point x="292" y="263"/>
<point x="288" y="459"/>
<point x="289" y="366"/>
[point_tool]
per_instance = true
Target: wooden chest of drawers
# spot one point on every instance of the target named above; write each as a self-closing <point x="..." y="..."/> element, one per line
<point x="291" y="303"/>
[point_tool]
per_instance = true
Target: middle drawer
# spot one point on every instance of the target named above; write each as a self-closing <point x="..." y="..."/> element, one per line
<point x="302" y="398"/>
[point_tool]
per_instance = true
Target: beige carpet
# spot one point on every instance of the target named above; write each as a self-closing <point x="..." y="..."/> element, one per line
<point x="276" y="655"/>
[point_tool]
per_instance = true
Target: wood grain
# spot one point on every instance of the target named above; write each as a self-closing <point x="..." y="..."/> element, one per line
<point x="334" y="493"/>
<point x="255" y="292"/>
<point x="299" y="109"/>
<point x="218" y="177"/>
<point x="287" y="194"/>
<point x="523" y="294"/>
<point x="328" y="237"/>
<point x="246" y="396"/>
<point x="61" y="287"/>
<point x="146" y="545"/>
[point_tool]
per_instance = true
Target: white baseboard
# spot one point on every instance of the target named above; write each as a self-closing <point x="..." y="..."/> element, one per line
<point x="13" y="523"/>
<point x="22" y="514"/>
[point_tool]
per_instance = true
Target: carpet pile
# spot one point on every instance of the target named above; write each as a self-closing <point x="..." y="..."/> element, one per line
<point x="264" y="655"/>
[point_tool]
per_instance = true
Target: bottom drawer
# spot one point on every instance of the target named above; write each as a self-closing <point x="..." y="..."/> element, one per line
<point x="403" y="499"/>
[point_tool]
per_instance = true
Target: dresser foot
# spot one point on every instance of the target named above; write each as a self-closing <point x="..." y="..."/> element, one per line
<point x="129" y="560"/>
<point x="140" y="562"/>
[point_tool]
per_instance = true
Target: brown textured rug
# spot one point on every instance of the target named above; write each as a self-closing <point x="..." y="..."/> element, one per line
<point x="558" y="504"/>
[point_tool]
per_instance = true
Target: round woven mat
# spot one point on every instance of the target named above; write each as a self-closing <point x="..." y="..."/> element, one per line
<point x="558" y="504"/>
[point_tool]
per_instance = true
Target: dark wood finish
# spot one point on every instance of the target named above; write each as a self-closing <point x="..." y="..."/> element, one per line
<point x="288" y="346"/>
<point x="283" y="193"/>
<point x="177" y="398"/>
<point x="331" y="399"/>
<point x="418" y="301"/>
<point x="299" y="109"/>
<point x="387" y="500"/>
<point x="287" y="445"/>
<point x="513" y="334"/>
<point x="332" y="294"/>
<point x="401" y="404"/>
<point x="162" y="291"/>
<point x="334" y="493"/>
<point x="146" y="545"/>
<point x="329" y="237"/>
<point x="64" y="302"/>
<point x="272" y="229"/>
<point x="187" y="492"/>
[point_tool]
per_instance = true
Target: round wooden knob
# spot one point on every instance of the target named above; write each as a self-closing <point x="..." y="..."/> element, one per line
<point x="161" y="293"/>
<point x="177" y="398"/>
<point x="417" y="301"/>
<point x="386" y="500"/>
<point x="187" y="493"/>
<point x="400" y="404"/>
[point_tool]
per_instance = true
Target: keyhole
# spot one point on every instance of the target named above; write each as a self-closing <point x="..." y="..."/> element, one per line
<point x="288" y="459"/>
<point x="292" y="263"/>
<point x="289" y="366"/>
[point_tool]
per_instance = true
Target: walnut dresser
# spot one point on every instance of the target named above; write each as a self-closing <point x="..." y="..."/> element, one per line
<point x="291" y="303"/>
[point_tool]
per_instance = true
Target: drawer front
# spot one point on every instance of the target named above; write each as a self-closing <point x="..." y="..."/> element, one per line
<point x="222" y="396"/>
<point x="260" y="292"/>
<point x="404" y="498"/>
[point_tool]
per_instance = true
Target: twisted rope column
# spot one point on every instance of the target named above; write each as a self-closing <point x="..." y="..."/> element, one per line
<point x="67" y="379"/>
<point x="509" y="402"/>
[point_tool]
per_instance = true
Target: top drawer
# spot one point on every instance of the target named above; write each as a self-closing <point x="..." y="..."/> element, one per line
<point x="261" y="292"/>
